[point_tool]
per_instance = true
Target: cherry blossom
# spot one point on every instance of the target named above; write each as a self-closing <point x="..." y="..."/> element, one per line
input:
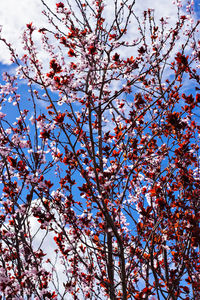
<point x="100" y="174"/>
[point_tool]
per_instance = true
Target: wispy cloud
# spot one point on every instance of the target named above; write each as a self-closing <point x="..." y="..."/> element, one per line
<point x="15" y="15"/>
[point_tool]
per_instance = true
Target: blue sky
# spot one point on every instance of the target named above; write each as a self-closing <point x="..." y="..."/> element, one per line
<point x="13" y="18"/>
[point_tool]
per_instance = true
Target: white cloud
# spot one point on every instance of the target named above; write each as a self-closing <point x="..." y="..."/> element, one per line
<point x="44" y="240"/>
<point x="14" y="15"/>
<point x="54" y="261"/>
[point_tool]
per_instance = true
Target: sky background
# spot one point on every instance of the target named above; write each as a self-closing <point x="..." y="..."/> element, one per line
<point x="14" y="15"/>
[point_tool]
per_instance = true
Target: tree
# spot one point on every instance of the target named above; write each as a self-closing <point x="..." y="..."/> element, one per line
<point x="108" y="171"/>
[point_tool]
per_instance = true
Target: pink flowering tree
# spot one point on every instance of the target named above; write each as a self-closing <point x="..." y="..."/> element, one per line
<point x="100" y="175"/>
